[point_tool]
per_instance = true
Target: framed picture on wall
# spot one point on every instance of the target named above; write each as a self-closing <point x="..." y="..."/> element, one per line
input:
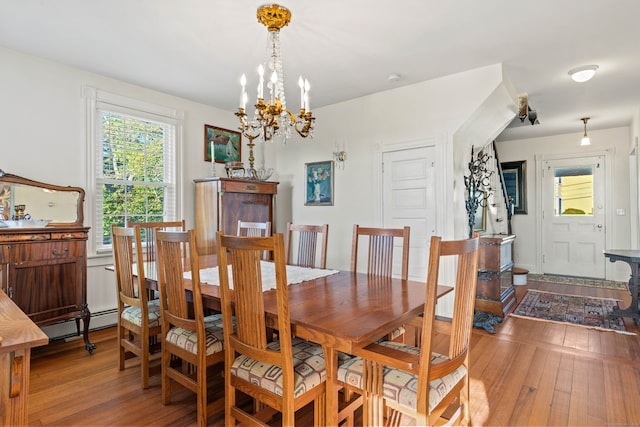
<point x="319" y="183"/>
<point x="222" y="145"/>
<point x="515" y="174"/>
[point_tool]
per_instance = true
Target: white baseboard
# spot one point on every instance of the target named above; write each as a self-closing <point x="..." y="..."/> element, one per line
<point x="67" y="330"/>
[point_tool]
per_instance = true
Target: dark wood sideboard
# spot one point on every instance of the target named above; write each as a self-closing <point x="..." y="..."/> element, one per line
<point x="495" y="294"/>
<point x="221" y="202"/>
<point x="43" y="269"/>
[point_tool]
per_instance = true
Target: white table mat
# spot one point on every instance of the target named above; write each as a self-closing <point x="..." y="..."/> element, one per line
<point x="295" y="274"/>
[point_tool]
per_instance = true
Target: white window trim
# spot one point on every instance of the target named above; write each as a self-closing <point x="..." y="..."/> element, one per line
<point x="93" y="97"/>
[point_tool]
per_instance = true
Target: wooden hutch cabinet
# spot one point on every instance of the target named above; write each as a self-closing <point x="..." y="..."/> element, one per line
<point x="221" y="202"/>
<point x="495" y="293"/>
<point x="43" y="267"/>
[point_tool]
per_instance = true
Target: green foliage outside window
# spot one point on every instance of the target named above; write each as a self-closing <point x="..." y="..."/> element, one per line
<point x="133" y="173"/>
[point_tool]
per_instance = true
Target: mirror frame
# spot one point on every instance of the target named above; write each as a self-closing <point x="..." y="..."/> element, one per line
<point x="15" y="179"/>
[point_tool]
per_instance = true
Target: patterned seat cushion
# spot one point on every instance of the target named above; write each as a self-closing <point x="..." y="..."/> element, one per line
<point x="134" y="314"/>
<point x="400" y="386"/>
<point x="308" y="363"/>
<point x="400" y="330"/>
<point x="189" y="339"/>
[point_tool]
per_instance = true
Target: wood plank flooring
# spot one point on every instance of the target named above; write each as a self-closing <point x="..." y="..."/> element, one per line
<point x="530" y="373"/>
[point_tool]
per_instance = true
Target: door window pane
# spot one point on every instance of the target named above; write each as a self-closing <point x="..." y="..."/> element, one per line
<point x="573" y="190"/>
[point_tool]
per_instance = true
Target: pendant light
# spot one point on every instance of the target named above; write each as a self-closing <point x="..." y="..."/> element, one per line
<point x="585" y="139"/>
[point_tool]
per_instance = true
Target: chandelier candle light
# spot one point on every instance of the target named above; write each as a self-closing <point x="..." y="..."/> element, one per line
<point x="272" y="120"/>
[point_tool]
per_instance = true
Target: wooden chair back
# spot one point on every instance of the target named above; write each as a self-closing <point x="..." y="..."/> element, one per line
<point x="124" y="260"/>
<point x="243" y="256"/>
<point x="171" y="247"/>
<point x="307" y="245"/>
<point x="176" y="253"/>
<point x="380" y="252"/>
<point x="252" y="337"/>
<point x="132" y="295"/>
<point x="254" y="229"/>
<point x="146" y="237"/>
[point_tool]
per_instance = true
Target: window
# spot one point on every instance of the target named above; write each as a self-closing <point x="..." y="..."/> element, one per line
<point x="573" y="191"/>
<point x="134" y="163"/>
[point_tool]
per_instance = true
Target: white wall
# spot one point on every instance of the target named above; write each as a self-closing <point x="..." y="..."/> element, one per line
<point x="524" y="225"/>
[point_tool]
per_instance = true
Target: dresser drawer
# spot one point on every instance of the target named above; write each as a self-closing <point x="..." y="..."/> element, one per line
<point x="51" y="250"/>
<point x="69" y="235"/>
<point x="249" y="187"/>
<point x="34" y="237"/>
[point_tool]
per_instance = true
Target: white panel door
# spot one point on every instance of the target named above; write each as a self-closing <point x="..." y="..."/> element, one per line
<point x="409" y="199"/>
<point x="573" y="224"/>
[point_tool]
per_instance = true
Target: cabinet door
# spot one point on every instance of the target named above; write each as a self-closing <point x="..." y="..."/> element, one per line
<point x="245" y="207"/>
<point x="47" y="290"/>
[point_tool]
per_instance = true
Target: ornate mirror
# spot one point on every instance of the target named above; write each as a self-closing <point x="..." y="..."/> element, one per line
<point x="31" y="204"/>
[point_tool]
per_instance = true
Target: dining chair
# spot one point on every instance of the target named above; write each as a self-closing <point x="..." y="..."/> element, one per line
<point x="417" y="381"/>
<point x="148" y="242"/>
<point x="138" y="317"/>
<point x="191" y="342"/>
<point x="285" y="374"/>
<point x="306" y="246"/>
<point x="380" y="256"/>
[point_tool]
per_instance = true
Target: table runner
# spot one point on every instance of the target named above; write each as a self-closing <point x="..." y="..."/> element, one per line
<point x="295" y="274"/>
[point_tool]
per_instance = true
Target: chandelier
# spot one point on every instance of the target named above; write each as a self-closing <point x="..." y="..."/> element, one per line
<point x="272" y="120"/>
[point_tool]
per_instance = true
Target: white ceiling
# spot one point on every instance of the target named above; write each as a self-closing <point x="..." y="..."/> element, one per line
<point x="198" y="49"/>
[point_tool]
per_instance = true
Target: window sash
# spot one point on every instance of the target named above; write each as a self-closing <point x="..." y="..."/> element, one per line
<point x="157" y="184"/>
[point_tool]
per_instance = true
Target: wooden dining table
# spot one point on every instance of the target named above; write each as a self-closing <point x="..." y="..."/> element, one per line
<point x="341" y="312"/>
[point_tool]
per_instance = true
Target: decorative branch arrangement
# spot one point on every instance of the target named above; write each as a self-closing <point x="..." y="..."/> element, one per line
<point x="478" y="186"/>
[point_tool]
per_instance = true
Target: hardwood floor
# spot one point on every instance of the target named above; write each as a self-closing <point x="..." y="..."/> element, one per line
<point x="529" y="373"/>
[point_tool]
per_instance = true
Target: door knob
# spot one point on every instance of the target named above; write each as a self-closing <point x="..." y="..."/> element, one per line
<point x="599" y="225"/>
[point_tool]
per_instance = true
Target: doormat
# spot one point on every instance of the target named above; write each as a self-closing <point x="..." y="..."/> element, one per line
<point x="589" y="312"/>
<point x="581" y="281"/>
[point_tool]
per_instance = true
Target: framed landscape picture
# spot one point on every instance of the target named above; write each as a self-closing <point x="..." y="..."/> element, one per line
<point x="319" y="183"/>
<point x="514" y="174"/>
<point x="222" y="145"/>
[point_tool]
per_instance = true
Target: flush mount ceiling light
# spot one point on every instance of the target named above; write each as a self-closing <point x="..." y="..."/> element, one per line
<point x="583" y="74"/>
<point x="585" y="139"/>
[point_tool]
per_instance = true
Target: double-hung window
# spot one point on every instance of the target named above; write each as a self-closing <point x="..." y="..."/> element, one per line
<point x="134" y="163"/>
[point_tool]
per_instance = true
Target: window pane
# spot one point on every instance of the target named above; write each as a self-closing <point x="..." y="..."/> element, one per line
<point x="573" y="191"/>
<point x="133" y="161"/>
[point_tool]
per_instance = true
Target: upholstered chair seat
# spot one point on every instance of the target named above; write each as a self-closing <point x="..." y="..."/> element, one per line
<point x="133" y="314"/>
<point x="308" y="364"/>
<point x="189" y="339"/>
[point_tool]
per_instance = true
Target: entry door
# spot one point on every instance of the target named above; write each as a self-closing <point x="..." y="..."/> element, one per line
<point x="574" y="216"/>
<point x="409" y="199"/>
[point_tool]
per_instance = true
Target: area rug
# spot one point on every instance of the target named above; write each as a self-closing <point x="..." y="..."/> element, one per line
<point x="589" y="312"/>
<point x="581" y="281"/>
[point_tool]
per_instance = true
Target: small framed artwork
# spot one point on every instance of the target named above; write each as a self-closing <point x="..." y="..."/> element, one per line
<point x="222" y="145"/>
<point x="515" y="174"/>
<point x="319" y="183"/>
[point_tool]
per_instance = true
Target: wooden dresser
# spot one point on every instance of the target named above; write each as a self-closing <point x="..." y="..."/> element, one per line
<point x="495" y="293"/>
<point x="43" y="269"/>
<point x="221" y="202"/>
<point x="18" y="335"/>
